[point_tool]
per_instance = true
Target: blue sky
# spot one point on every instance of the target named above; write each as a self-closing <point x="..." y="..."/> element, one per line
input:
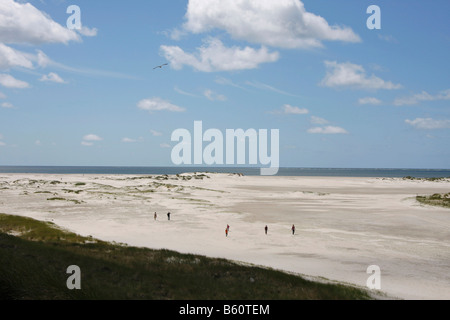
<point x="341" y="95"/>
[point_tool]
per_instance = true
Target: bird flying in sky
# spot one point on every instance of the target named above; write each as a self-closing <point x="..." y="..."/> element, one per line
<point x="161" y="66"/>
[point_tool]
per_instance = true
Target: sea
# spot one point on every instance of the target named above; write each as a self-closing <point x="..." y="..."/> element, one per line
<point x="307" y="172"/>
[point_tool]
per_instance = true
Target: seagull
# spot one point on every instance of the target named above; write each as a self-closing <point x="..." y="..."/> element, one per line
<point x="161" y="66"/>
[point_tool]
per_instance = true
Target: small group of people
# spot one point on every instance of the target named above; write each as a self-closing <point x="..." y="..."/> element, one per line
<point x="227" y="229"/>
<point x="155" y="216"/>
<point x="266" y="230"/>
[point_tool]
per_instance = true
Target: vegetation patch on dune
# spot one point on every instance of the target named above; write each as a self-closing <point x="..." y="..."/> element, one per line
<point x="36" y="258"/>
<point x="442" y="200"/>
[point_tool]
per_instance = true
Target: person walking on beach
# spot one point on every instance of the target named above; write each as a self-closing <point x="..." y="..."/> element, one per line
<point x="155" y="216"/>
<point x="266" y="229"/>
<point x="228" y="227"/>
<point x="168" y="216"/>
<point x="293" y="229"/>
<point x="226" y="231"/>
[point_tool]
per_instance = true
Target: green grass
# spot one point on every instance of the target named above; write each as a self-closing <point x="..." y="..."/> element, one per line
<point x="441" y="200"/>
<point x="34" y="263"/>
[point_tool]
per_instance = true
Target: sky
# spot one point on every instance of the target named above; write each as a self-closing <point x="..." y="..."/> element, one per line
<point x="342" y="95"/>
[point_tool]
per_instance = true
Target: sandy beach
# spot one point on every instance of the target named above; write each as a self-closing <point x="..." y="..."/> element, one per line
<point x="343" y="225"/>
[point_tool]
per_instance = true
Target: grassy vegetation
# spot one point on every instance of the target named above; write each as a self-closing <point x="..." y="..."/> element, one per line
<point x="442" y="200"/>
<point x="426" y="179"/>
<point x="34" y="263"/>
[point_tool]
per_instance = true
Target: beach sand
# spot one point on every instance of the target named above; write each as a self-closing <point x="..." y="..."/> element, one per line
<point x="343" y="225"/>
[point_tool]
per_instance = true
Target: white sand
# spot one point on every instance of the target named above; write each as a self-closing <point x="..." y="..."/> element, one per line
<point x="343" y="225"/>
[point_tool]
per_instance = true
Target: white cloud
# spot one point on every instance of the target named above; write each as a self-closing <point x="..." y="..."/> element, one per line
<point x="7" y="105"/>
<point x="165" y="145"/>
<point x="369" y="100"/>
<point x="156" y="133"/>
<point x="264" y="86"/>
<point x="10" y="58"/>
<point x="88" y="32"/>
<point x="184" y="92"/>
<point x="327" y="130"/>
<point x="211" y="95"/>
<point x="387" y="38"/>
<point x="92" y="137"/>
<point x="317" y="120"/>
<point x="52" y="77"/>
<point x="281" y="23"/>
<point x="423" y="96"/>
<point x="38" y="143"/>
<point x="23" y="23"/>
<point x="429" y="123"/>
<point x="128" y="140"/>
<point x="158" y="104"/>
<point x="227" y="82"/>
<point x="288" y="109"/>
<point x="213" y="56"/>
<point x="9" y="81"/>
<point x="86" y="144"/>
<point x="354" y="76"/>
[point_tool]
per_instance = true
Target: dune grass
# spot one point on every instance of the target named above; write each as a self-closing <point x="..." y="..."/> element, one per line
<point x="441" y="200"/>
<point x="35" y="256"/>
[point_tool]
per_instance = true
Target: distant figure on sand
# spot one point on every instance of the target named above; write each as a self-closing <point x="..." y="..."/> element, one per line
<point x="293" y="229"/>
<point x="226" y="231"/>
<point x="168" y="216"/>
<point x="155" y="216"/>
<point x="228" y="227"/>
<point x="266" y="229"/>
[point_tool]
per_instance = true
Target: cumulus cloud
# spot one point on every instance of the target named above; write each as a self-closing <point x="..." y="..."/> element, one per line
<point x="52" y="77"/>
<point x="423" y="96"/>
<point x="88" y="32"/>
<point x="288" y="109"/>
<point x="214" y="56"/>
<point x="318" y="120"/>
<point x="92" y="137"/>
<point x="369" y="100"/>
<point x="89" y="139"/>
<point x="158" y="104"/>
<point x="7" y="105"/>
<point x="24" y="24"/>
<point x="281" y="23"/>
<point x="9" y="81"/>
<point x="10" y="58"/>
<point x="327" y="130"/>
<point x="354" y="76"/>
<point x="428" y="123"/>
<point x="128" y="140"/>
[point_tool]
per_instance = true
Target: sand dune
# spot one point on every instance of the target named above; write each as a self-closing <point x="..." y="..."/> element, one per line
<point x="343" y="225"/>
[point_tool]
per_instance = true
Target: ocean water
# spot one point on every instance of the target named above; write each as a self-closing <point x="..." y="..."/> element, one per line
<point x="319" y="172"/>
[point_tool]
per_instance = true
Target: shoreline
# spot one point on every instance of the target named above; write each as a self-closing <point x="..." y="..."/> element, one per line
<point x="343" y="224"/>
